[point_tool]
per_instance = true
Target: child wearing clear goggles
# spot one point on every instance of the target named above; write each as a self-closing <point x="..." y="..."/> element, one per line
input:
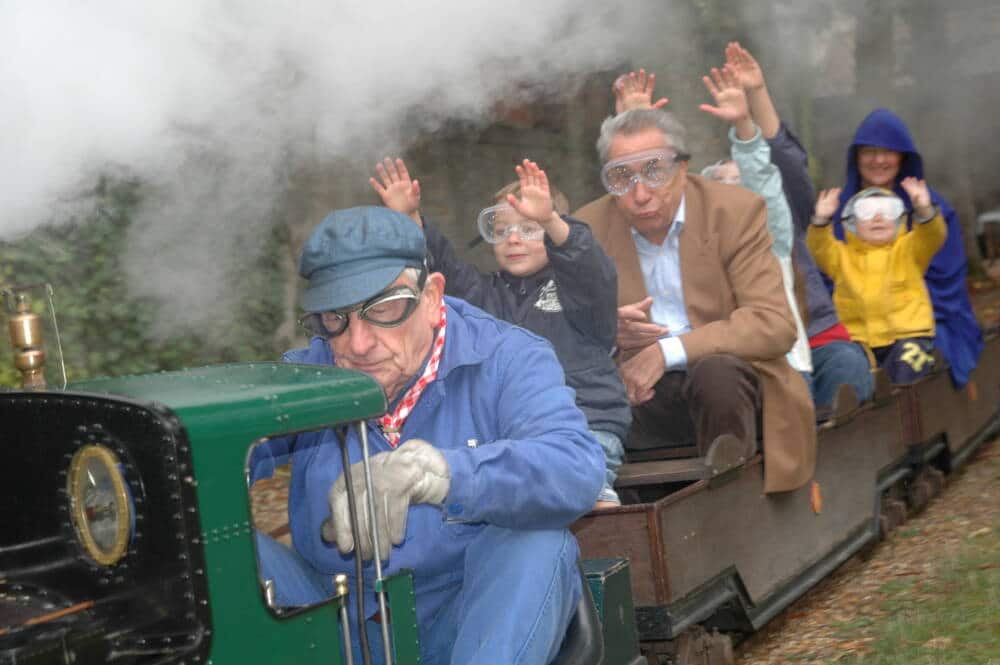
<point x="554" y="280"/>
<point x="498" y="223"/>
<point x="878" y="272"/>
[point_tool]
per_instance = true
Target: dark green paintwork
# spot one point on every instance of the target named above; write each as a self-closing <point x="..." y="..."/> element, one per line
<point x="224" y="409"/>
<point x="609" y="585"/>
<point x="403" y="613"/>
<point x="252" y="400"/>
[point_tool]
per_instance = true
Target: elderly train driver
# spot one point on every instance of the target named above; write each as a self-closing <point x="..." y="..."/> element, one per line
<point x="483" y="459"/>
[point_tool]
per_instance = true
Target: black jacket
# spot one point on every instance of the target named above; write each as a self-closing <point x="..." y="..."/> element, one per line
<point x="572" y="302"/>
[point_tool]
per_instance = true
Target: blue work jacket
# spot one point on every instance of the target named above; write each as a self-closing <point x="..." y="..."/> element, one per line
<point x="518" y="449"/>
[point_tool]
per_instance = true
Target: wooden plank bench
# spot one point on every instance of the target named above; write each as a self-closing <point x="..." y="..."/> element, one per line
<point x="725" y="453"/>
<point x="658" y="472"/>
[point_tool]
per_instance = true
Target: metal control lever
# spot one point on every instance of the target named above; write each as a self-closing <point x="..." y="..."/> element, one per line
<point x="383" y="613"/>
<point x="342" y="590"/>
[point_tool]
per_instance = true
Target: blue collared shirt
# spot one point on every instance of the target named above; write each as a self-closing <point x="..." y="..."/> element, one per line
<point x="661" y="271"/>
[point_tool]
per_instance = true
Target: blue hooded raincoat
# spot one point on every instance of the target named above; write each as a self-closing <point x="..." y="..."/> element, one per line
<point x="958" y="333"/>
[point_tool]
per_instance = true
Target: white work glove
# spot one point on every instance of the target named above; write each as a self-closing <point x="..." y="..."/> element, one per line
<point x="416" y="472"/>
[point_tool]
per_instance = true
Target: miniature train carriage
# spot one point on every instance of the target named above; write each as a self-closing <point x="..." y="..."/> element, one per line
<point x="130" y="515"/>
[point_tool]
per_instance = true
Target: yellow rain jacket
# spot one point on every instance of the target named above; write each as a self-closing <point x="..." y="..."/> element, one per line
<point x="879" y="291"/>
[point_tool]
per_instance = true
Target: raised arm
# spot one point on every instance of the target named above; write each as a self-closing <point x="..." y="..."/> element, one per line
<point x="752" y="154"/>
<point x="793" y="163"/>
<point x="786" y="151"/>
<point x="819" y="238"/>
<point x="929" y="230"/>
<point x="731" y="102"/>
<point x="635" y="91"/>
<point x="535" y="202"/>
<point x="401" y="193"/>
<point x="751" y="77"/>
<point x="588" y="281"/>
<point x="396" y="189"/>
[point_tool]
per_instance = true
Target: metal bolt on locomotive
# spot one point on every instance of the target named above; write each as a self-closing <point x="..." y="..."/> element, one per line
<point x="129" y="519"/>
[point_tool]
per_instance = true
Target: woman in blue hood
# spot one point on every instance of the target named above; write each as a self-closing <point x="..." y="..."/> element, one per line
<point x="881" y="155"/>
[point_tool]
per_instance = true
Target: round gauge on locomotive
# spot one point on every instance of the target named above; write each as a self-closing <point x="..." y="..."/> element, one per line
<point x="100" y="504"/>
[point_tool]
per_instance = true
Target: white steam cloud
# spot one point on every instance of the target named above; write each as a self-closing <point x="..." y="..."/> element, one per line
<point x="212" y="104"/>
<point x="217" y="105"/>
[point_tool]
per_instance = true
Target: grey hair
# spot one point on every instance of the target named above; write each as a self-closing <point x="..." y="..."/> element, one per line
<point x="711" y="171"/>
<point x="411" y="274"/>
<point x="638" y="120"/>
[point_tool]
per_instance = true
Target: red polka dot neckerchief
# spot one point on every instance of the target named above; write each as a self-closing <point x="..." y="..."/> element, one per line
<point x="392" y="423"/>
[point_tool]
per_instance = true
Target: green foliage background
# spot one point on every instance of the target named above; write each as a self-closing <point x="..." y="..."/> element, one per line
<point x="105" y="330"/>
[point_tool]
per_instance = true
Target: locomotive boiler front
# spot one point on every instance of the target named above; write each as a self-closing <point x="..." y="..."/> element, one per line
<point x="100" y="559"/>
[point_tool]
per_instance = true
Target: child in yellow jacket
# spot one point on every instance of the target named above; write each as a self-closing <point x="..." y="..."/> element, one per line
<point x="878" y="272"/>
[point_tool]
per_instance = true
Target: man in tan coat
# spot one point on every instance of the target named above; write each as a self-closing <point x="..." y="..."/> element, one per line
<point x="703" y="323"/>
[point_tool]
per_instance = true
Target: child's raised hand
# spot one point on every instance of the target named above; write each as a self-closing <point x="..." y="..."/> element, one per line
<point x="635" y="91"/>
<point x="748" y="72"/>
<point x="397" y="190"/>
<point x="920" y="195"/>
<point x="731" y="100"/>
<point x="536" y="200"/>
<point x="826" y="203"/>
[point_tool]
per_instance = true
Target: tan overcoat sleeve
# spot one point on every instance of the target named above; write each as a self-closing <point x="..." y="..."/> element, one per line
<point x="729" y="259"/>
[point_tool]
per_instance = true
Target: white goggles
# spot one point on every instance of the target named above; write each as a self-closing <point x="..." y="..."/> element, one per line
<point x="714" y="172"/>
<point x="653" y="168"/>
<point x="499" y="222"/>
<point x="870" y="207"/>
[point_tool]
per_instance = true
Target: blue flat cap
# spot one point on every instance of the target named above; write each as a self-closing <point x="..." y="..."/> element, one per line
<point x="355" y="253"/>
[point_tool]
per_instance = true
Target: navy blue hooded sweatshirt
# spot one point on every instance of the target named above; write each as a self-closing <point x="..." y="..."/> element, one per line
<point x="572" y="302"/>
<point x="791" y="159"/>
<point x="958" y="333"/>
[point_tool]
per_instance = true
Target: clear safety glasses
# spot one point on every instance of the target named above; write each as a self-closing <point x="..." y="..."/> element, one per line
<point x="499" y="222"/>
<point x="868" y="208"/>
<point x="385" y="310"/>
<point x="653" y="168"/>
<point x="719" y="173"/>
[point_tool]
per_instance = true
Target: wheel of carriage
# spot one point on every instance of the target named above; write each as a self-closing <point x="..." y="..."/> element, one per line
<point x="884" y="527"/>
<point x="918" y="494"/>
<point x="892" y="515"/>
<point x="935" y="479"/>
<point x="896" y="510"/>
